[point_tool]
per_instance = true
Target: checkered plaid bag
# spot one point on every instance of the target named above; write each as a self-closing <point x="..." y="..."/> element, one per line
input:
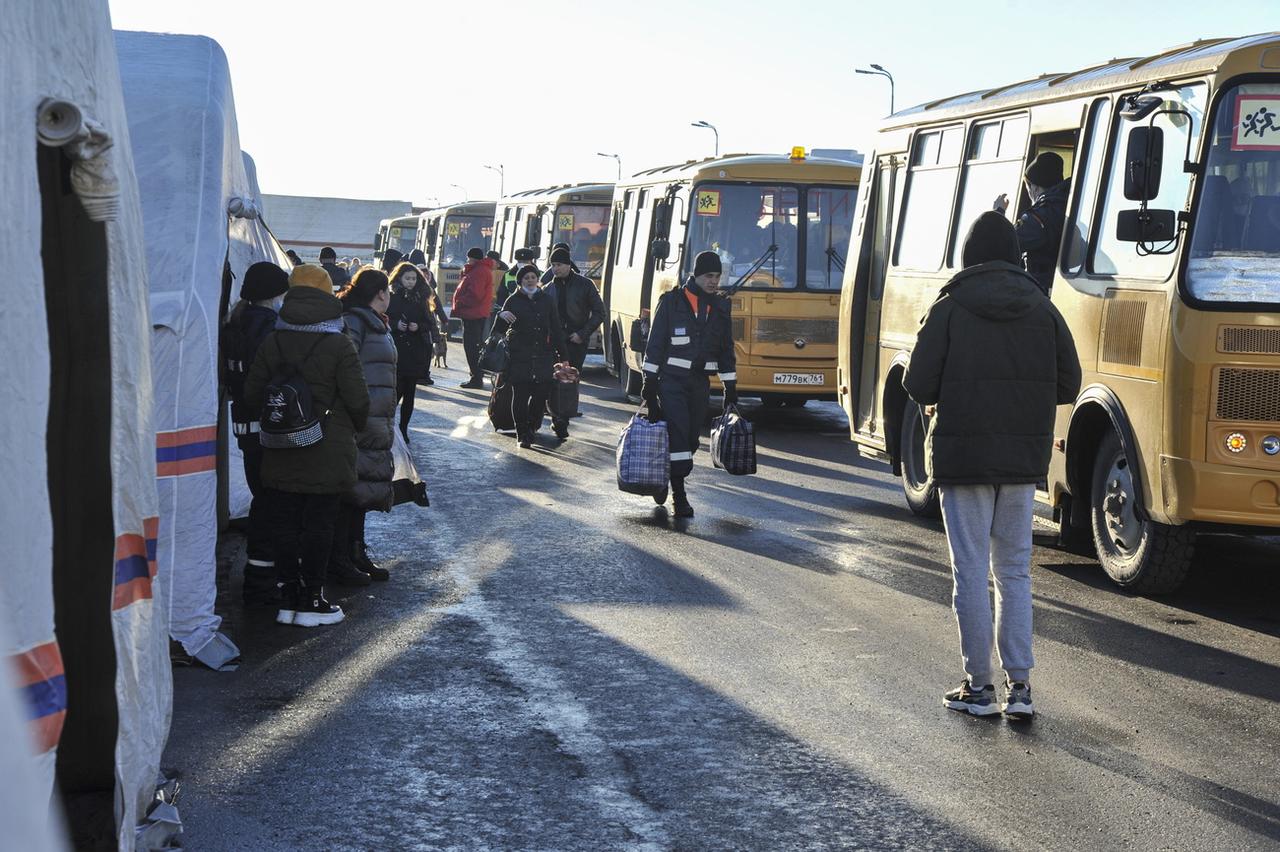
<point x="733" y="443"/>
<point x="644" y="460"/>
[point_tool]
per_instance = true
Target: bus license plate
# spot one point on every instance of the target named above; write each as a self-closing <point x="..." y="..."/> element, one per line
<point x="799" y="379"/>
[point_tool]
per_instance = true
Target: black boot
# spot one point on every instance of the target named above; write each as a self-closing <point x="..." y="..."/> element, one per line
<point x="360" y="556"/>
<point x="680" y="499"/>
<point x="346" y="571"/>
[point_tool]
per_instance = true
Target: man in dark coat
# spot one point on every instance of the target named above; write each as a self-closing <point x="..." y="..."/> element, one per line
<point x="1040" y="228"/>
<point x="691" y="337"/>
<point x="306" y="483"/>
<point x="581" y="312"/>
<point x="339" y="276"/>
<point x="535" y="343"/>
<point x="994" y="359"/>
<point x="249" y="324"/>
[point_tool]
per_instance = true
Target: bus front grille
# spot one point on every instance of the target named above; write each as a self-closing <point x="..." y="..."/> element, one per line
<point x="811" y="331"/>
<point x="1250" y="395"/>
<point x="1249" y="339"/>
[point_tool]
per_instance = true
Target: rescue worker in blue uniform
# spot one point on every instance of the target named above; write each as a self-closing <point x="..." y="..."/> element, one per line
<point x="1040" y="227"/>
<point x="690" y="338"/>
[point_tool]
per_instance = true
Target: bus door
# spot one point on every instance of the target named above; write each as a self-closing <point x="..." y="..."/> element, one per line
<point x="883" y="209"/>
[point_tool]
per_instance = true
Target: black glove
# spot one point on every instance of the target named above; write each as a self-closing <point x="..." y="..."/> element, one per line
<point x="730" y="395"/>
<point x="649" y="391"/>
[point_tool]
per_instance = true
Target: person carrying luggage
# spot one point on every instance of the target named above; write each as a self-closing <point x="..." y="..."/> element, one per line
<point x="690" y="338"/>
<point x="536" y="344"/>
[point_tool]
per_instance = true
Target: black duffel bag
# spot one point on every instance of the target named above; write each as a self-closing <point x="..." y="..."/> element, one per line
<point x="494" y="357"/>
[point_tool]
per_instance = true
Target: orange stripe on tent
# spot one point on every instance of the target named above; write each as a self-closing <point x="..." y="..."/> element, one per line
<point x="47" y="730"/>
<point x="186" y="436"/>
<point x="38" y="664"/>
<point x="185" y="466"/>
<point x="137" y="589"/>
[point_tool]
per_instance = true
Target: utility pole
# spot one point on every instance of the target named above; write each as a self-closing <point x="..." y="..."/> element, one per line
<point x="616" y="157"/>
<point x="712" y="128"/>
<point x="878" y="71"/>
<point x="501" y="179"/>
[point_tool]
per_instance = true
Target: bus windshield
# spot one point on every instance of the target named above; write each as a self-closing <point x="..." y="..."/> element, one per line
<point x="754" y="229"/>
<point x="1236" y="239"/>
<point x="461" y="234"/>
<point x="584" y="227"/>
<point x="829" y="211"/>
<point x="402" y="238"/>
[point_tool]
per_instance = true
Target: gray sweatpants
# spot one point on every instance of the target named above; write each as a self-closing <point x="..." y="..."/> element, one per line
<point x="989" y="531"/>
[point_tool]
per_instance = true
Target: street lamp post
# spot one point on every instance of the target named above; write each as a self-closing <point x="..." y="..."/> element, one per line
<point x="501" y="179"/>
<point x="613" y="157"/>
<point x="712" y="128"/>
<point x="878" y="71"/>
<point x="463" y="189"/>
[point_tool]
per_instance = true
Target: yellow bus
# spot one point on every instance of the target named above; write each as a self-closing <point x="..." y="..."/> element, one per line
<point x="400" y="234"/>
<point x="1168" y="275"/>
<point x="781" y="226"/>
<point x="445" y="235"/>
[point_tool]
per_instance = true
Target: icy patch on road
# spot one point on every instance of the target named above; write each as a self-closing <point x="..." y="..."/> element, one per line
<point x="563" y="715"/>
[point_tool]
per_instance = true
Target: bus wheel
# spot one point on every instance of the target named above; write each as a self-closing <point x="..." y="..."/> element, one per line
<point x="772" y="400"/>
<point x="628" y="379"/>
<point x="795" y="402"/>
<point x="921" y="493"/>
<point x="1141" y="556"/>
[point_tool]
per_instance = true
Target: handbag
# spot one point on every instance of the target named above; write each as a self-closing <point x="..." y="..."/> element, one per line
<point x="643" y="457"/>
<point x="733" y="443"/>
<point x="406" y="485"/>
<point x="494" y="355"/>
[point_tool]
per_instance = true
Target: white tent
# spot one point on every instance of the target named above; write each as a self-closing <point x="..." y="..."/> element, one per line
<point x="80" y="509"/>
<point x="203" y="231"/>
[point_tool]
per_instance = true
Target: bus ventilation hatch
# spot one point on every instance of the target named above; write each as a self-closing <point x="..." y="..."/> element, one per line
<point x="1249" y="339"/>
<point x="1122" y="332"/>
<point x="1248" y="395"/>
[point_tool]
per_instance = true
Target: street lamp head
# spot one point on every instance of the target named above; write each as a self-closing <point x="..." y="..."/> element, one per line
<point x="862" y="71"/>
<point x="878" y="67"/>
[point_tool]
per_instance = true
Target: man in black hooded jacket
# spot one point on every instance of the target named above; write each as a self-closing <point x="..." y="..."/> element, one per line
<point x="995" y="359"/>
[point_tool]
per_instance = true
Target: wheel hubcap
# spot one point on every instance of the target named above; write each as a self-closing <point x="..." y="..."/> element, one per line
<point x="1118" y="507"/>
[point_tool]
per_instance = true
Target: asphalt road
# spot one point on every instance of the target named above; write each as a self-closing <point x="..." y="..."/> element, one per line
<point x="558" y="665"/>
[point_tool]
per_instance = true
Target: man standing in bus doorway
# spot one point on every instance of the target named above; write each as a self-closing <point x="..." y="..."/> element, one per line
<point x="581" y="313"/>
<point x="1040" y="228"/>
<point x="994" y="359"/>
<point x="691" y="336"/>
<point x="471" y="302"/>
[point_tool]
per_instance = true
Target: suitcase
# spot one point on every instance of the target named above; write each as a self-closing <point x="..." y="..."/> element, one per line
<point x="500" y="406"/>
<point x="643" y="457"/>
<point x="733" y="443"/>
<point x="563" y="401"/>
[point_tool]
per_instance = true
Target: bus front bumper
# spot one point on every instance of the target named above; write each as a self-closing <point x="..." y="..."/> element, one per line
<point x="1219" y="494"/>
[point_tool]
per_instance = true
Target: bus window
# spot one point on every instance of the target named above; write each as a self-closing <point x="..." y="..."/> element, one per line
<point x="992" y="167"/>
<point x="1236" y="238"/>
<point x="1111" y="256"/>
<point x="829" y="211"/>
<point x="584" y="227"/>
<point x="635" y="226"/>
<point x="750" y="227"/>
<point x="622" y="225"/>
<point x="462" y="233"/>
<point x="1086" y="186"/>
<point x="931" y="183"/>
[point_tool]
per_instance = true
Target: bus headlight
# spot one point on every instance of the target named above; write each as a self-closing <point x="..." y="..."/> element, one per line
<point x="1271" y="445"/>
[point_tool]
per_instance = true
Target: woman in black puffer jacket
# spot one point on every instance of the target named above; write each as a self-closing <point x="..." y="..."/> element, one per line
<point x="364" y="302"/>
<point x="535" y="342"/>
<point x="414" y="330"/>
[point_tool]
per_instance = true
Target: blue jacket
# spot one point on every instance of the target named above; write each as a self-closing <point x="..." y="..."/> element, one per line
<point x="681" y="344"/>
<point x="1040" y="233"/>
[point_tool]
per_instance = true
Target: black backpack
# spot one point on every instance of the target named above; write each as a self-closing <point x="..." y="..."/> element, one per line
<point x="288" y="418"/>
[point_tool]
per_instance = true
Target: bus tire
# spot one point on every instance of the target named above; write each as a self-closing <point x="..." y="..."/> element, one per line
<point x="917" y="487"/>
<point x="1141" y="556"/>
<point x="629" y="380"/>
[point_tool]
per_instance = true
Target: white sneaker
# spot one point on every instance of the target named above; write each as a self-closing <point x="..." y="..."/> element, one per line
<point x="314" y="611"/>
<point x="1017" y="701"/>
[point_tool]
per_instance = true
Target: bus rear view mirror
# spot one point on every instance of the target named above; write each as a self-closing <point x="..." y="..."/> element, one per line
<point x="1146" y="226"/>
<point x="662" y="223"/>
<point x="660" y="249"/>
<point x="1142" y="163"/>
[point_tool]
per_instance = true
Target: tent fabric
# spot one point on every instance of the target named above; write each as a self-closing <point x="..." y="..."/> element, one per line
<point x="201" y="214"/>
<point x="64" y="49"/>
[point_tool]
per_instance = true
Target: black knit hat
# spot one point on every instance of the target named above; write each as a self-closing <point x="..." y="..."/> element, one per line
<point x="327" y="253"/>
<point x="476" y="253"/>
<point x="525" y="270"/>
<point x="707" y="261"/>
<point x="524" y="255"/>
<point x="497" y="260"/>
<point x="1045" y="170"/>
<point x="417" y="258"/>
<point x="564" y="246"/>
<point x="560" y="255"/>
<point x="991" y="237"/>
<point x="263" y="281"/>
<point x="390" y="258"/>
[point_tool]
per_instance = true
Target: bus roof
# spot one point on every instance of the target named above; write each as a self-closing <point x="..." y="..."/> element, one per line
<point x="1198" y="57"/>
<point x="752" y="166"/>
<point x="402" y="221"/>
<point x="587" y="192"/>
<point x="462" y="208"/>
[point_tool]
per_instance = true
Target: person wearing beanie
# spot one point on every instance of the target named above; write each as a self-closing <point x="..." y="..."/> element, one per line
<point x="566" y="258"/>
<point x="248" y="325"/>
<point x="329" y="262"/>
<point x="391" y="259"/>
<point x="417" y="258"/>
<point x="507" y="286"/>
<point x="293" y="257"/>
<point x="690" y="337"/>
<point x="536" y="344"/>
<point x="305" y="484"/>
<point x="1039" y="229"/>
<point x="992" y="361"/>
<point x="581" y="312"/>
<point x="472" y="304"/>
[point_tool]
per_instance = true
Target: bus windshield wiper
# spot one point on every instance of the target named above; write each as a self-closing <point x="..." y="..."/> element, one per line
<point x="755" y="267"/>
<point x="837" y="259"/>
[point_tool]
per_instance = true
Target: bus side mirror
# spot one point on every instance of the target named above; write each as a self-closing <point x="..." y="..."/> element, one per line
<point x="1142" y="162"/>
<point x="537" y="251"/>
<point x="1146" y="226"/>
<point x="377" y="241"/>
<point x="660" y="249"/>
<point x="662" y="223"/>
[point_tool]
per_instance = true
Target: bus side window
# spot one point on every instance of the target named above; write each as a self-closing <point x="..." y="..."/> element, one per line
<point x="622" y="224"/>
<point x="1080" y="221"/>
<point x="930" y="189"/>
<point x="635" y="227"/>
<point x="993" y="165"/>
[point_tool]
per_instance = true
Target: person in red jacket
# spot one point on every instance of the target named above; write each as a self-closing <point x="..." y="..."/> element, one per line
<point x="471" y="304"/>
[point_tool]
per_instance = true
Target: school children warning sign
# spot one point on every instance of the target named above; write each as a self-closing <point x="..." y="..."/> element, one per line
<point x="565" y="222"/>
<point x="1257" y="123"/>
<point x="709" y="202"/>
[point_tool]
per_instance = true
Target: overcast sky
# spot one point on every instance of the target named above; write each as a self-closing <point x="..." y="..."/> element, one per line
<point x="399" y="99"/>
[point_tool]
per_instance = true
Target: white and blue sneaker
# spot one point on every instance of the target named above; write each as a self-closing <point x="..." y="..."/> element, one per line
<point x="1017" y="701"/>
<point x="967" y="699"/>
<point x="288" y="602"/>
